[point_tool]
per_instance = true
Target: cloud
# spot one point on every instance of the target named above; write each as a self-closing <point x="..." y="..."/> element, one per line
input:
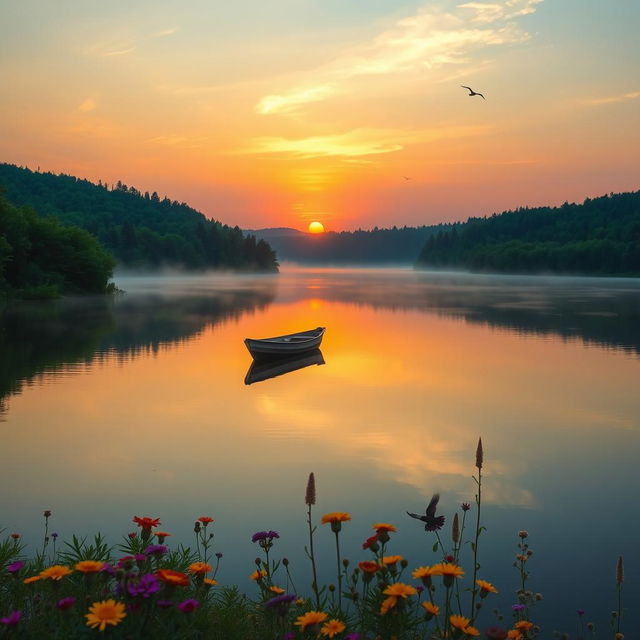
<point x="611" y="99"/>
<point x="164" y="32"/>
<point x="119" y="52"/>
<point x="88" y="104"/>
<point x="431" y="38"/>
<point x="359" y="142"/>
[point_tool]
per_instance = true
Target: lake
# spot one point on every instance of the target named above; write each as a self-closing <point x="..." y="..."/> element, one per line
<point x="137" y="405"/>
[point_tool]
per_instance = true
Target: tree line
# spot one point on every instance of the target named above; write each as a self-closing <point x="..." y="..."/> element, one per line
<point x="139" y="229"/>
<point x="601" y="236"/>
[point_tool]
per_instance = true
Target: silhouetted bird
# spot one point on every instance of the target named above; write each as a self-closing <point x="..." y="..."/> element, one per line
<point x="406" y="178"/>
<point x="431" y="520"/>
<point x="472" y="92"/>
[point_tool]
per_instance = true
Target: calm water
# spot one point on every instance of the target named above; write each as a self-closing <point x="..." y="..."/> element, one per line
<point x="138" y="406"/>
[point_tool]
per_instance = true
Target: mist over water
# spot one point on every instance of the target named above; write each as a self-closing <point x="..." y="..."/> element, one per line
<point x="136" y="405"/>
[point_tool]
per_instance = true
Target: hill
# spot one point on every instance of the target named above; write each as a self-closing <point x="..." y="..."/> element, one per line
<point x="601" y="236"/>
<point x="139" y="229"/>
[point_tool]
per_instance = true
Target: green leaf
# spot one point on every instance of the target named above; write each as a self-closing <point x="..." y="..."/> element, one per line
<point x="435" y="547"/>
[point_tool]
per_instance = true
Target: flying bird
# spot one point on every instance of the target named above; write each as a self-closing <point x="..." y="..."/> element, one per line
<point x="431" y="520"/>
<point x="472" y="92"/>
<point x="406" y="178"/>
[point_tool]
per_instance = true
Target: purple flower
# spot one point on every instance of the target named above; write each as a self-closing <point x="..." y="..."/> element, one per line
<point x="419" y="588"/>
<point x="518" y="607"/>
<point x="14" y="567"/>
<point x="164" y="604"/>
<point x="280" y="603"/>
<point x="465" y="506"/>
<point x="188" y="605"/>
<point x="65" y="603"/>
<point x="12" y="619"/>
<point x="146" y="586"/>
<point x="264" y="535"/>
<point x="580" y="612"/>
<point x="54" y="535"/>
<point x="156" y="550"/>
<point x="352" y="636"/>
<point x="140" y="558"/>
<point x="290" y="635"/>
<point x="108" y="568"/>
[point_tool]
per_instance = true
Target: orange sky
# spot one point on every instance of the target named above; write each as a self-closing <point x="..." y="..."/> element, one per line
<point x="350" y="115"/>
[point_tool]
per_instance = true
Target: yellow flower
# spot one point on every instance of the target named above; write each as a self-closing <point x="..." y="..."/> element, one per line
<point x="210" y="582"/>
<point x="258" y="575"/>
<point x="300" y="601"/>
<point x="383" y="526"/>
<point x="199" y="568"/>
<point x="514" y="634"/>
<point x="332" y="628"/>
<point x="335" y="516"/>
<point x="309" y="619"/>
<point x="277" y="590"/>
<point x="89" y="566"/>
<point x="387" y="604"/>
<point x="400" y="589"/>
<point x="459" y="622"/>
<point x="431" y="608"/>
<point x="56" y="572"/>
<point x="486" y="587"/>
<point x="471" y="631"/>
<point x="31" y="579"/>
<point x="448" y="569"/>
<point x="387" y="560"/>
<point x="106" y="612"/>
<point x="523" y="625"/>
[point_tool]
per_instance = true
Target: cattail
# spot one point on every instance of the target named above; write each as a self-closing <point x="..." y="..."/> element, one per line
<point x="310" y="497"/>
<point x="619" y="572"/>
<point x="479" y="454"/>
<point x="455" y="530"/>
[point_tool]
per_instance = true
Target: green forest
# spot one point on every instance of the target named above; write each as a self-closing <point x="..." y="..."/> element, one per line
<point x="601" y="236"/>
<point x="42" y="258"/>
<point x="140" y="230"/>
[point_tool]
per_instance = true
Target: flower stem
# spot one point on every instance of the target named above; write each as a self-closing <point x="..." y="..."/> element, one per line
<point x="475" y="545"/>
<point x="339" y="568"/>
<point x="313" y="559"/>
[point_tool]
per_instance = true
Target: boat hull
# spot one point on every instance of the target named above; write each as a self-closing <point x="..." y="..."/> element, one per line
<point x="291" y="344"/>
<point x="266" y="368"/>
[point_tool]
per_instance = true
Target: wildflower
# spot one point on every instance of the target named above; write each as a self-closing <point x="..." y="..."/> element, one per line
<point x="265" y="538"/>
<point x="514" y="634"/>
<point x="172" y="578"/>
<point x="352" y="636"/>
<point x="310" y="619"/>
<point x="54" y="535"/>
<point x="132" y="535"/>
<point x="106" y="612"/>
<point x="89" y="566"/>
<point x="257" y="575"/>
<point x="580" y="612"/>
<point x="459" y="622"/>
<point x="449" y="571"/>
<point x="390" y="560"/>
<point x="485" y="588"/>
<point x="145" y="586"/>
<point x="367" y="566"/>
<point x="156" y="550"/>
<point x="56" y="572"/>
<point x="523" y="534"/>
<point x="332" y="628"/>
<point x="14" y="567"/>
<point x="47" y="513"/>
<point x="465" y="506"/>
<point x="161" y="535"/>
<point x="280" y="603"/>
<point x="523" y="625"/>
<point x="218" y="555"/>
<point x="471" y="631"/>
<point x="276" y="590"/>
<point x="205" y="520"/>
<point x="31" y="579"/>
<point x="310" y="495"/>
<point x="210" y="582"/>
<point x="12" y="619"/>
<point x="335" y="518"/>
<point x="395" y="591"/>
<point x="430" y="609"/>
<point x="15" y="536"/>
<point x="65" y="603"/>
<point x="371" y="543"/>
<point x="383" y="526"/>
<point x="496" y="633"/>
<point x="518" y="607"/>
<point x="126" y="562"/>
<point x="188" y="606"/>
<point x="146" y="523"/>
<point x="425" y="573"/>
<point x="199" y="568"/>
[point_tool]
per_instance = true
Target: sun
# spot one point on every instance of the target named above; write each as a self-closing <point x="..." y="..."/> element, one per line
<point x="316" y="227"/>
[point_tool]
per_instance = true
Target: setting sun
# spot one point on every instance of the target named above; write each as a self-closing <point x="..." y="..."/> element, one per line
<point x="316" y="227"/>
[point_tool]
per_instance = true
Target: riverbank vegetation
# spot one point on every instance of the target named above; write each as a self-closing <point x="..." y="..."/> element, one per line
<point x="601" y="236"/>
<point x="145" y="587"/>
<point x="140" y="230"/>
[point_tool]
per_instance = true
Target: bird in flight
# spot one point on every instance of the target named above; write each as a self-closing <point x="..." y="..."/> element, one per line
<point x="472" y="92"/>
<point x="406" y="178"/>
<point x="431" y="520"/>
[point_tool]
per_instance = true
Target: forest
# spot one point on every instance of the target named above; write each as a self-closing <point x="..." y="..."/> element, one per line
<point x="140" y="230"/>
<point x="601" y="236"/>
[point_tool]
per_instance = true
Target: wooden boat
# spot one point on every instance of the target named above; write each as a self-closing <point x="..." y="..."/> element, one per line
<point x="290" y="344"/>
<point x="271" y="367"/>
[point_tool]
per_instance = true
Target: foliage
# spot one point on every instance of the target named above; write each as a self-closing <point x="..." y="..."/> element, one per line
<point x="601" y="236"/>
<point x="139" y="229"/>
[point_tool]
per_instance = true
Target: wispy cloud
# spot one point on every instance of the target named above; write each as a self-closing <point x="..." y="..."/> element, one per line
<point x="119" y="51"/>
<point x="164" y="32"/>
<point x="430" y="38"/>
<point x="359" y="142"/>
<point x="624" y="97"/>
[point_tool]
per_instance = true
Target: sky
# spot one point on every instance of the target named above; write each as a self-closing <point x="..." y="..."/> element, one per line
<point x="346" y="112"/>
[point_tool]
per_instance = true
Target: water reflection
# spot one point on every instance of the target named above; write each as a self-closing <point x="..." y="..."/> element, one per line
<point x="261" y="370"/>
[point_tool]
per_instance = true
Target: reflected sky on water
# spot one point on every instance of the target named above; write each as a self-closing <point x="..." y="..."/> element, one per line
<point x="138" y="406"/>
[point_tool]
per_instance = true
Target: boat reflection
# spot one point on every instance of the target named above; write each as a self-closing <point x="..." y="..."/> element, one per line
<point x="270" y="368"/>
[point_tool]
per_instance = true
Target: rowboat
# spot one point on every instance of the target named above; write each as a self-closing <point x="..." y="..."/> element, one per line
<point x="285" y="345"/>
<point x="271" y="367"/>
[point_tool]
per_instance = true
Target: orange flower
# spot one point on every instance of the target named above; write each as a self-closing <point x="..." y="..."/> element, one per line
<point x="276" y="590"/>
<point x="31" y="579"/>
<point x="309" y="619"/>
<point x="514" y="634"/>
<point x="106" y="612"/>
<point x="383" y="526"/>
<point x="199" y="568"/>
<point x="333" y="628"/>
<point x="387" y="560"/>
<point x="388" y="604"/>
<point x="210" y="582"/>
<point x="426" y="572"/>
<point x="430" y="608"/>
<point x="471" y="631"/>
<point x="146" y="523"/>
<point x="89" y="566"/>
<point x="56" y="572"/>
<point x="368" y="567"/>
<point x="459" y="622"/>
<point x="523" y="625"/>
<point x="449" y="572"/>
<point x="162" y="534"/>
<point x="173" y="578"/>
<point x="205" y="520"/>
<point x="258" y="575"/>
<point x="335" y="516"/>
<point x="485" y="588"/>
